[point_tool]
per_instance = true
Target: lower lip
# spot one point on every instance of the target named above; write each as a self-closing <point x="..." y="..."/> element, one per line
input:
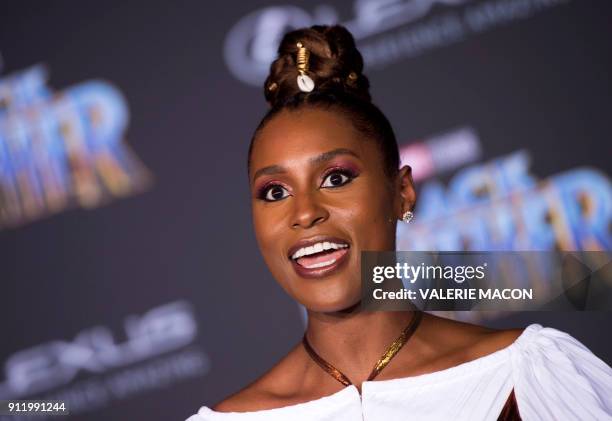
<point x="322" y="271"/>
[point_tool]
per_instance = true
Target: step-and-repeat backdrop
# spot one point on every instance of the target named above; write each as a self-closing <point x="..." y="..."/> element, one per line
<point x="132" y="286"/>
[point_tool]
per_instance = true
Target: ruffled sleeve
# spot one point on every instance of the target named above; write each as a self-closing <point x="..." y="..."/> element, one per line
<point x="557" y="378"/>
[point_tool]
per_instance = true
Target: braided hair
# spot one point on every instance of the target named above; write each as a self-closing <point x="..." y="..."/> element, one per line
<point x="336" y="67"/>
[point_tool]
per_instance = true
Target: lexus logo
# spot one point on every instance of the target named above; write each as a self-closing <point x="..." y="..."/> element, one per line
<point x="251" y="44"/>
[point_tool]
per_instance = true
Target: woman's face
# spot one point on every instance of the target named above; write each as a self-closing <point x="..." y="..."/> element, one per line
<point x="320" y="196"/>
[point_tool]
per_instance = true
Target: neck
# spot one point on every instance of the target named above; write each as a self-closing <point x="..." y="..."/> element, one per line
<point x="352" y="340"/>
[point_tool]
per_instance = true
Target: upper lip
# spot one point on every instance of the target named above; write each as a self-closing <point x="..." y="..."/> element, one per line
<point x="306" y="242"/>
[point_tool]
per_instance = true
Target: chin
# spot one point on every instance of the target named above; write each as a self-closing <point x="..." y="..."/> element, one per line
<point x="331" y="303"/>
<point x="328" y="294"/>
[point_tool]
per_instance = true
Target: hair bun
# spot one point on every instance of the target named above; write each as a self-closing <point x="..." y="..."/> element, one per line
<point x="334" y="64"/>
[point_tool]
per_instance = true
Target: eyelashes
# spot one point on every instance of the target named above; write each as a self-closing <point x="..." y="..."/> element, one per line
<point x="270" y="192"/>
<point x="332" y="178"/>
<point x="346" y="175"/>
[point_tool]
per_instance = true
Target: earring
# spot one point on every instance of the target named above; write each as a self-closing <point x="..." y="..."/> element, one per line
<point x="407" y="216"/>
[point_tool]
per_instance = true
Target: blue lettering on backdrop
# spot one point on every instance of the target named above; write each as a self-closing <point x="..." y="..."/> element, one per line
<point x="500" y="206"/>
<point x="62" y="149"/>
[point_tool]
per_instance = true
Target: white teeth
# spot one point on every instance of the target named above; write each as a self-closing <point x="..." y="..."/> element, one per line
<point x="321" y="264"/>
<point x="317" y="248"/>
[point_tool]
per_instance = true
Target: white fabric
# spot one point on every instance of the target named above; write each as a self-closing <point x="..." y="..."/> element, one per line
<point x="554" y="377"/>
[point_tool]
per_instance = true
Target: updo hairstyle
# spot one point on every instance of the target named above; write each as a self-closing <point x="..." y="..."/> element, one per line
<point x="335" y="66"/>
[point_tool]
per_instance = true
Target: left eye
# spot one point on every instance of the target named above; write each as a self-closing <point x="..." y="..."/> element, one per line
<point x="335" y="179"/>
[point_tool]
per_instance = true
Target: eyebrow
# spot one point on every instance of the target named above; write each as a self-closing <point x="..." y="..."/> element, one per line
<point x="325" y="156"/>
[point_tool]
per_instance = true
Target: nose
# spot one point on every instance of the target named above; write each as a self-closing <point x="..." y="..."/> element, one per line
<point x="308" y="211"/>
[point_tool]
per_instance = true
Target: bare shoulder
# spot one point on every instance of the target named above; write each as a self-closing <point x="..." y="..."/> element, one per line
<point x="248" y="399"/>
<point x="273" y="389"/>
<point x="453" y="342"/>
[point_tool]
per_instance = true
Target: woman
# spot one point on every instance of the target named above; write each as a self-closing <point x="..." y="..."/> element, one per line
<point x="326" y="184"/>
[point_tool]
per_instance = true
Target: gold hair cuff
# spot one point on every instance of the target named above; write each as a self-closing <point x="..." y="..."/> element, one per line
<point x="304" y="82"/>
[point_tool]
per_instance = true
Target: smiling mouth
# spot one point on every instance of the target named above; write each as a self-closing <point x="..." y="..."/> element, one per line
<point x="319" y="259"/>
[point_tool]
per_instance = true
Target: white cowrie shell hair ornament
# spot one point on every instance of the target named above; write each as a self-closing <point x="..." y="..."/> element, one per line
<point x="407" y="216"/>
<point x="304" y="82"/>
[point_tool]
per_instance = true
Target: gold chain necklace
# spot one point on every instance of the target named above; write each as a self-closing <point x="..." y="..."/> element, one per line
<point x="382" y="362"/>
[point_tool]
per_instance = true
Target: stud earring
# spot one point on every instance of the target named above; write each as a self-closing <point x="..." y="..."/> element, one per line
<point x="407" y="216"/>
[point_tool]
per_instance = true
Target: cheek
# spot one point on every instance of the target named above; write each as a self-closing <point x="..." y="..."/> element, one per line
<point x="263" y="226"/>
<point x="268" y="227"/>
<point x="370" y="218"/>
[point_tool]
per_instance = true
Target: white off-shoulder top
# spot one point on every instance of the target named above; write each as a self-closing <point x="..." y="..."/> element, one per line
<point x="554" y="377"/>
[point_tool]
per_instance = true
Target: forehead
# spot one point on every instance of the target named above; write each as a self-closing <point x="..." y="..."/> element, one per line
<point x="292" y="137"/>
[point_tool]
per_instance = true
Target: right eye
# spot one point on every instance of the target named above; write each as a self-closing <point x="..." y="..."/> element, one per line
<point x="274" y="193"/>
